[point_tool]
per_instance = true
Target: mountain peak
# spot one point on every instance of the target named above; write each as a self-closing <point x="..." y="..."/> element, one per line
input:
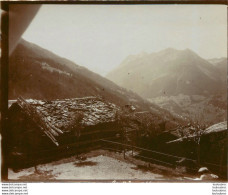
<point x="171" y="71"/>
<point x="167" y="51"/>
<point x="170" y="49"/>
<point x="171" y="52"/>
<point x="189" y="51"/>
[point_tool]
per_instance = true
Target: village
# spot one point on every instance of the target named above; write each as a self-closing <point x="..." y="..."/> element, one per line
<point x="83" y="138"/>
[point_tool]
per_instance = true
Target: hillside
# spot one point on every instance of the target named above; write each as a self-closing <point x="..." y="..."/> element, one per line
<point x="179" y="81"/>
<point x="39" y="74"/>
<point x="221" y="65"/>
<point x="168" y="72"/>
<point x="209" y="110"/>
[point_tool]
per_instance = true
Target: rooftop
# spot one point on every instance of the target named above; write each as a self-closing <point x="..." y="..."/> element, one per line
<point x="217" y="128"/>
<point x="61" y="112"/>
<point x="56" y="117"/>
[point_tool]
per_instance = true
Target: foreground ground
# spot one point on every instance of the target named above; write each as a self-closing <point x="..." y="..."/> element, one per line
<point x="98" y="165"/>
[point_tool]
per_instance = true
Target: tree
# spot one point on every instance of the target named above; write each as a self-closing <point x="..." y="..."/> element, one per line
<point x="193" y="132"/>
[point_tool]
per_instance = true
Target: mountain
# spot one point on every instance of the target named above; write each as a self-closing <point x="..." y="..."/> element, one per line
<point x="168" y="73"/>
<point x="179" y="81"/>
<point x="209" y="110"/>
<point x="39" y="74"/>
<point x="217" y="60"/>
<point x="221" y="65"/>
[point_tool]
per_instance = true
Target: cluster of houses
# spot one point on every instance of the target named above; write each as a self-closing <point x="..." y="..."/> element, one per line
<point x="41" y="130"/>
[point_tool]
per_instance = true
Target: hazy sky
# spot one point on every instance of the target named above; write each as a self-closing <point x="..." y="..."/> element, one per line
<point x="101" y="36"/>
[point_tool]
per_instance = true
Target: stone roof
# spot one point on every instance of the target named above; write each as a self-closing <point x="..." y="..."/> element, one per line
<point x="55" y="117"/>
<point x="61" y="112"/>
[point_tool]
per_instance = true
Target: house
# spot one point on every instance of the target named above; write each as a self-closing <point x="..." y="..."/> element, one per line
<point x="39" y="130"/>
<point x="211" y="148"/>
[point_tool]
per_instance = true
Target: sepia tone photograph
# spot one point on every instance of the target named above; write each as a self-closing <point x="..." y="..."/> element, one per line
<point x="129" y="92"/>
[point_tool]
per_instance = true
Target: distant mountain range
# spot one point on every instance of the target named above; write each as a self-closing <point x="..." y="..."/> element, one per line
<point x="221" y="65"/>
<point x="170" y="72"/>
<point x="179" y="81"/>
<point x="39" y="74"/>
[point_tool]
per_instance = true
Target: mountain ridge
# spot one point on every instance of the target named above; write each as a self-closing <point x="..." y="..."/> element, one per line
<point x="167" y="72"/>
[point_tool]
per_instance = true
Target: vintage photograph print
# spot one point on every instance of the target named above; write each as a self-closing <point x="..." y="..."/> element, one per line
<point x="109" y="92"/>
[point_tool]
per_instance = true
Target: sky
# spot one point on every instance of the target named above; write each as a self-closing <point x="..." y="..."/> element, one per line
<point x="100" y="37"/>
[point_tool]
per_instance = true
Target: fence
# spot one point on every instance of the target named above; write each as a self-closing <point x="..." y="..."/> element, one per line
<point x="157" y="156"/>
<point x="147" y="155"/>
